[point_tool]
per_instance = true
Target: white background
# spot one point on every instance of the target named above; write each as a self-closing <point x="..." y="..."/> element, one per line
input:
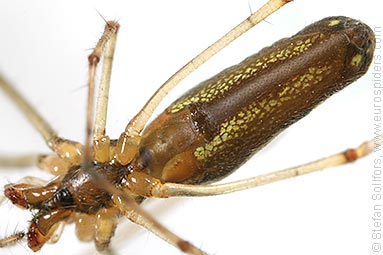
<point x="43" y="51"/>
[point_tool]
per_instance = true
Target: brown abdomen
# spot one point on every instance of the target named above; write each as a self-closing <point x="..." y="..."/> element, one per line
<point x="235" y="113"/>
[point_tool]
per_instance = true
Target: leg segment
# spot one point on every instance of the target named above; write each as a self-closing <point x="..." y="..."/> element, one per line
<point x="156" y="228"/>
<point x="103" y="91"/>
<point x="53" y="164"/>
<point x="66" y="149"/>
<point x="19" y="161"/>
<point x="107" y="42"/>
<point x="106" y="222"/>
<point x="32" y="115"/>
<point x="12" y="239"/>
<point x="127" y="206"/>
<point x="147" y="186"/>
<point x="85" y="226"/>
<point x="57" y="232"/>
<point x="102" y="141"/>
<point x="50" y="163"/>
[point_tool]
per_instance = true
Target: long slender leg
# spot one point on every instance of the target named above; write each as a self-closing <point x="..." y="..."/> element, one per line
<point x="130" y="137"/>
<point x="128" y="207"/>
<point x="148" y="186"/>
<point x="102" y="141"/>
<point x="12" y="239"/>
<point x="106" y="219"/>
<point x="50" y="163"/>
<point x="29" y="112"/>
<point x="157" y="229"/>
<point x="69" y="150"/>
<point x="107" y="41"/>
<point x="124" y="201"/>
<point x="19" y="161"/>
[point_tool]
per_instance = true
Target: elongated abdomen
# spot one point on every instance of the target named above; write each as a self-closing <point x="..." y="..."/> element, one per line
<point x="232" y="115"/>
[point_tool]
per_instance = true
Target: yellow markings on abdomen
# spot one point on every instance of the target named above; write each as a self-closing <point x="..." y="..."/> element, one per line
<point x="238" y="125"/>
<point x="356" y="60"/>
<point x="219" y="87"/>
<point x="333" y="22"/>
